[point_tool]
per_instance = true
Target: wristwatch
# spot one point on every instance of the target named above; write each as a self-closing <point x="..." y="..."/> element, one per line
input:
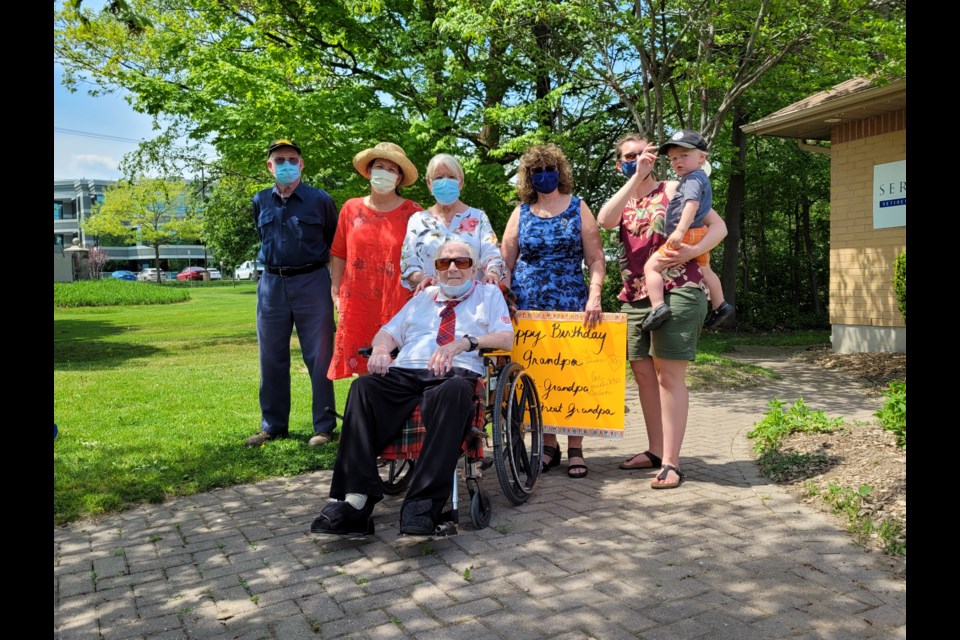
<point x="474" y="343"/>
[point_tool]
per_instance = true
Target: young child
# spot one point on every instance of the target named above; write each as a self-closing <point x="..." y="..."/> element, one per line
<point x="687" y="151"/>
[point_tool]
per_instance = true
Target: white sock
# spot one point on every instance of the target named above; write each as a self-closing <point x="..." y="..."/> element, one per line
<point x="357" y="500"/>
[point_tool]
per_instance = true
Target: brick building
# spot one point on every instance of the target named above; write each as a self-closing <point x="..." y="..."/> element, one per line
<point x="864" y="126"/>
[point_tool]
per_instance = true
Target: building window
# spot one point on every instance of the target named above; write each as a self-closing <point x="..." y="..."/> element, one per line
<point x="58" y="211"/>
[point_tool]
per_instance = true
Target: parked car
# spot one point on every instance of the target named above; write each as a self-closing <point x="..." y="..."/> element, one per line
<point x="150" y="275"/>
<point x="123" y="275"/>
<point x="249" y="270"/>
<point x="214" y="273"/>
<point x="192" y="273"/>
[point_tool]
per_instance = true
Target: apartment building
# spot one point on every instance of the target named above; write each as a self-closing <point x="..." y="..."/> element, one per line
<point x="73" y="202"/>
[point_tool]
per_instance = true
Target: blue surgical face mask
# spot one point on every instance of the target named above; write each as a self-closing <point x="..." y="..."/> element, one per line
<point x="545" y="181"/>
<point x="445" y="190"/>
<point x="455" y="291"/>
<point x="628" y="168"/>
<point x="286" y="173"/>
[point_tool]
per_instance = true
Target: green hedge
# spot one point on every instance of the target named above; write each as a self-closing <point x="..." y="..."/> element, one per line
<point x="900" y="283"/>
<point x="105" y="293"/>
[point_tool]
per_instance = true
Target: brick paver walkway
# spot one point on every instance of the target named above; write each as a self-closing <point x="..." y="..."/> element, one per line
<point x="726" y="556"/>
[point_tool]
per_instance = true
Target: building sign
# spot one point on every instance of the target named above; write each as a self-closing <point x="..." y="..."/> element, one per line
<point x="890" y="195"/>
<point x="580" y="373"/>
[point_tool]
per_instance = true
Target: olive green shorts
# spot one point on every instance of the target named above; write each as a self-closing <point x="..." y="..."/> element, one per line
<point x="677" y="338"/>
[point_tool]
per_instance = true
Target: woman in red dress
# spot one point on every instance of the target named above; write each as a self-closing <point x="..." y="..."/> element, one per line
<point x="365" y="256"/>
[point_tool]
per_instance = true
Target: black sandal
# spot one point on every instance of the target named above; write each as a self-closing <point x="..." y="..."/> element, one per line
<point x="663" y="476"/>
<point x="653" y="462"/>
<point x="576" y="453"/>
<point x="554" y="453"/>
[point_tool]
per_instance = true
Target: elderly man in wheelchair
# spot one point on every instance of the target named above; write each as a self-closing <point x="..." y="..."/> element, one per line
<point x="438" y="334"/>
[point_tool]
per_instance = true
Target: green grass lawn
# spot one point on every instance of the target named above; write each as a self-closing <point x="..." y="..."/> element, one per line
<point x="155" y="400"/>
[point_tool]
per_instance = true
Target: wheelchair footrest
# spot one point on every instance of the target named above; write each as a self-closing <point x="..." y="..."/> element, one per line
<point x="446" y="529"/>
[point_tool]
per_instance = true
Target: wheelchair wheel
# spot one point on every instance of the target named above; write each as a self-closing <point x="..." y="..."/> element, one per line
<point x="480" y="511"/>
<point x="395" y="475"/>
<point x="517" y="433"/>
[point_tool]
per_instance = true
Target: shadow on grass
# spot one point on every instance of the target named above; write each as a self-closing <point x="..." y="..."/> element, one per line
<point x="93" y="478"/>
<point x="81" y="344"/>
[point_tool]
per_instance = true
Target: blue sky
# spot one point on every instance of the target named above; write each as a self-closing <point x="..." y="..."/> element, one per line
<point x="91" y="135"/>
<point x="81" y="128"/>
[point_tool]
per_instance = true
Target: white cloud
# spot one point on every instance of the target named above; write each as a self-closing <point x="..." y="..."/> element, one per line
<point x="93" y="160"/>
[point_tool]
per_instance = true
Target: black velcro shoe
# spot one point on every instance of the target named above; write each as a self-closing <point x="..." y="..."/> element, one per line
<point x="343" y="519"/>
<point x="416" y="518"/>
<point x="656" y="318"/>
<point x="718" y="315"/>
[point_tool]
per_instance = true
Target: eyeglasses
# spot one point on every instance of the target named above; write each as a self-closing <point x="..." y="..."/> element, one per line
<point x="549" y="167"/>
<point x="631" y="156"/>
<point x="283" y="160"/>
<point x="442" y="264"/>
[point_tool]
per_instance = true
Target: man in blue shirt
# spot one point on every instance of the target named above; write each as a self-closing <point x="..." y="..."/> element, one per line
<point x="296" y="223"/>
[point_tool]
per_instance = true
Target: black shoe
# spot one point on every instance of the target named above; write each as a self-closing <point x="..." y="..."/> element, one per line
<point x="416" y="518"/>
<point x="718" y="315"/>
<point x="343" y="519"/>
<point x="656" y="318"/>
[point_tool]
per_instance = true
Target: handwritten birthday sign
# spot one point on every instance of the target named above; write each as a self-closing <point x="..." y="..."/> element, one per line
<point x="580" y="372"/>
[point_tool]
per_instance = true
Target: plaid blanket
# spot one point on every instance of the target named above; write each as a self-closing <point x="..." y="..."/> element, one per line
<point x="410" y="441"/>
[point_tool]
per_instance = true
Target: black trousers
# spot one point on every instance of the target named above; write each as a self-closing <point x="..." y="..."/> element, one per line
<point x="377" y="408"/>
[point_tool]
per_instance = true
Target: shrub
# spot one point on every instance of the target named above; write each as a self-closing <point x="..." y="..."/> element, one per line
<point x="893" y="414"/>
<point x="776" y="425"/>
<point x="612" y="284"/>
<point x="103" y="293"/>
<point x="900" y="283"/>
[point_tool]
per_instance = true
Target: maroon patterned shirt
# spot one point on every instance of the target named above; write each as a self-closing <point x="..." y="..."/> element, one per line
<point x="642" y="233"/>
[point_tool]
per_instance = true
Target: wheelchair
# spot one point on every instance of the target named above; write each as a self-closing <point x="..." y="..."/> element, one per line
<point x="508" y="412"/>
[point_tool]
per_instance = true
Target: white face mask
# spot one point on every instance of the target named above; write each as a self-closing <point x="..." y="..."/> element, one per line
<point x="383" y="181"/>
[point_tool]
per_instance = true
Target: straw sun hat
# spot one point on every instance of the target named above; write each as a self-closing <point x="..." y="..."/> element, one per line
<point x="386" y="151"/>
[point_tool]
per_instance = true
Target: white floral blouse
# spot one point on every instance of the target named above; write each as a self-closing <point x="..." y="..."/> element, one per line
<point x="426" y="232"/>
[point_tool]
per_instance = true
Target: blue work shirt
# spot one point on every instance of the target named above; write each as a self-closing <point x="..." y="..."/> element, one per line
<point x="297" y="232"/>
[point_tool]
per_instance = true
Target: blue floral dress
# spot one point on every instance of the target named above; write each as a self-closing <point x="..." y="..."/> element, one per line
<point x="548" y="275"/>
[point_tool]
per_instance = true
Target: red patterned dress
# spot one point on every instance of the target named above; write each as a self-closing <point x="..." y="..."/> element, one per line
<point x="370" y="292"/>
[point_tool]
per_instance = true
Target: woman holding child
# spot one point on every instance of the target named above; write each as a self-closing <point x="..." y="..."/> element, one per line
<point x="658" y="358"/>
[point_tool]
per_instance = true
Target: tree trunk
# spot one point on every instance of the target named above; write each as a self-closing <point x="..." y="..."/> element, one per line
<point x="808" y="250"/>
<point x="541" y="31"/>
<point x="795" y="285"/>
<point x="734" y="214"/>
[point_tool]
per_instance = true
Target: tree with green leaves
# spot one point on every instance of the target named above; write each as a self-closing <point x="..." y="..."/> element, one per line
<point x="482" y="79"/>
<point x="150" y="211"/>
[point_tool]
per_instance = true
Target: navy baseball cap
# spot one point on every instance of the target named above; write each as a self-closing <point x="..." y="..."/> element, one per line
<point x="685" y="138"/>
<point x="283" y="142"/>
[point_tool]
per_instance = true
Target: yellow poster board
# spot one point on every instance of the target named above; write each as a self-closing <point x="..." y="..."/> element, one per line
<point x="580" y="373"/>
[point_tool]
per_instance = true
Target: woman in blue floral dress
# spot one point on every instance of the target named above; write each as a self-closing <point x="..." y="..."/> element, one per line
<point x="547" y="240"/>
